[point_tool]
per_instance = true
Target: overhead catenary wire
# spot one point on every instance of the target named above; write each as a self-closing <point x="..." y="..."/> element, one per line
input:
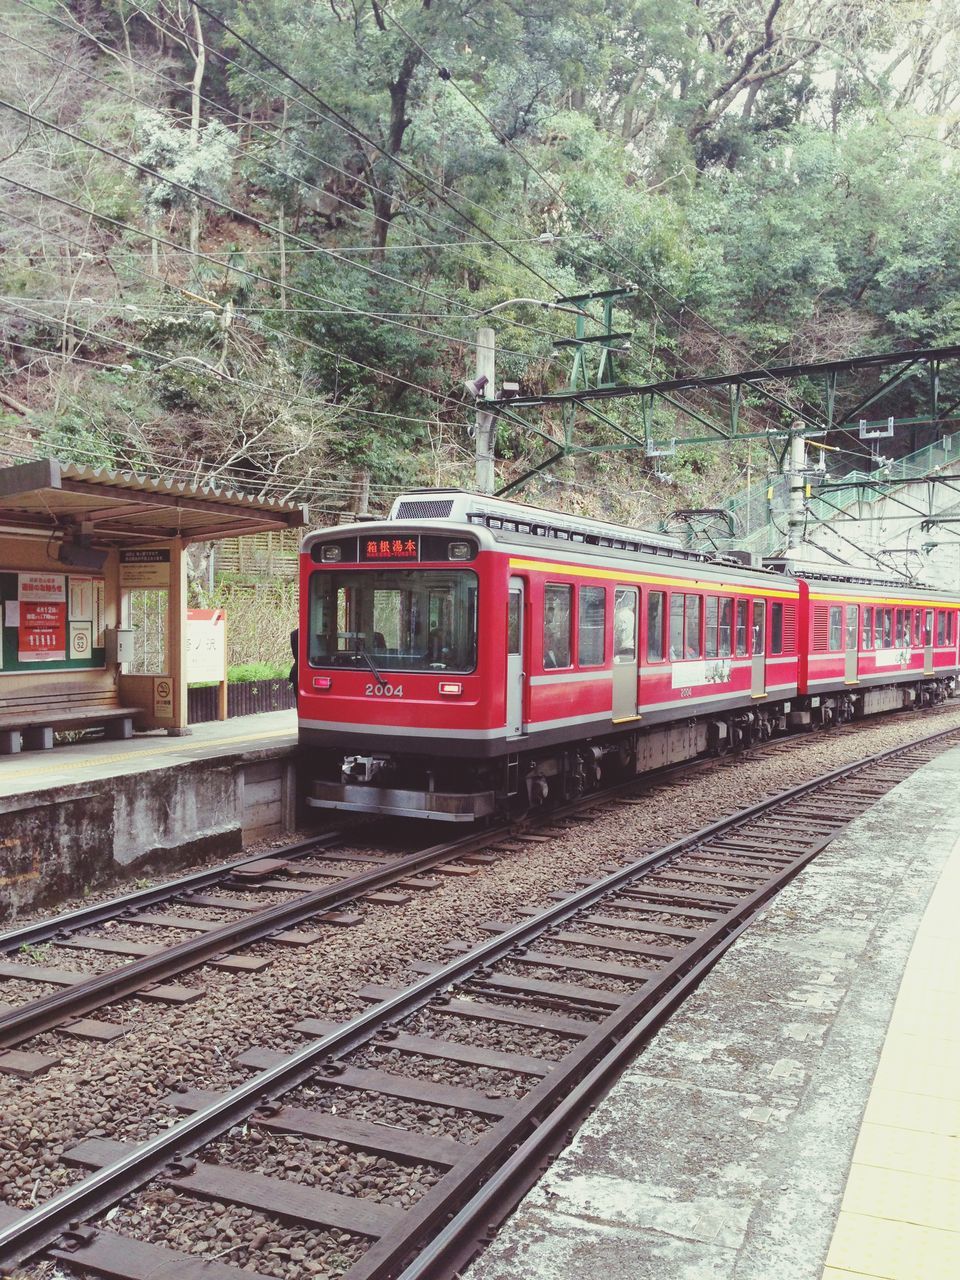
<point x="264" y="226"/>
<point x="451" y="338"/>
<point x="427" y="214"/>
<point x="198" y="365"/>
<point x="558" y="194"/>
<point x="341" y="121"/>
<point x="305" y="342"/>
<point x="77" y="29"/>
<point x="125" y="226"/>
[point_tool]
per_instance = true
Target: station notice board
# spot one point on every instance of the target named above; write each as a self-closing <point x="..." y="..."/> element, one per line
<point x="51" y="621"/>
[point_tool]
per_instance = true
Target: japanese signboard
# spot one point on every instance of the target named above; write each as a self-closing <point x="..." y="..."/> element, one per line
<point x="163" y="698"/>
<point x="206" y="645"/>
<point x="144" y="567"/>
<point x="389" y="549"/>
<point x="50" y="621"/>
<point x="42" y="586"/>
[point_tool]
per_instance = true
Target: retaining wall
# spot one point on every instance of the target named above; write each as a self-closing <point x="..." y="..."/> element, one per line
<point x="57" y="842"/>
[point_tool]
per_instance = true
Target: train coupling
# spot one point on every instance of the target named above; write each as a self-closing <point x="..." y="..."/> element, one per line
<point x="365" y="768"/>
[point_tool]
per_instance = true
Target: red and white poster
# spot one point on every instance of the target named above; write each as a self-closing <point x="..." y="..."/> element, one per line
<point x="43" y="631"/>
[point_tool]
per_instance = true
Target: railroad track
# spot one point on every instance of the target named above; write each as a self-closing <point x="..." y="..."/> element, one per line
<point x="286" y="873"/>
<point x="529" y="1028"/>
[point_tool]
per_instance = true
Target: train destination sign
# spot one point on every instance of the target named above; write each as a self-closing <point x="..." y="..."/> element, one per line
<point x="390" y="548"/>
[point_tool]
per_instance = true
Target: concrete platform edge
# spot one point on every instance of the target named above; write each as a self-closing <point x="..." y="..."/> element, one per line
<point x="722" y="1154"/>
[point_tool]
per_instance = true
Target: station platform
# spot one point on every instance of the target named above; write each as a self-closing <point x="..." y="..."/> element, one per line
<point x="81" y="816"/>
<point x="36" y="771"/>
<point x="799" y="1116"/>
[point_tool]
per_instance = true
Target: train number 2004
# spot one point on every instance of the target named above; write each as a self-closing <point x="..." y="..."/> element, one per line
<point x="383" y="690"/>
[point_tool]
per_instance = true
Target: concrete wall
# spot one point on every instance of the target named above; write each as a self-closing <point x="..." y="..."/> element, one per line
<point x="59" y="842"/>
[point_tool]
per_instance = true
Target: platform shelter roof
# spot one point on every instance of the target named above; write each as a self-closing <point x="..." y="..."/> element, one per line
<point x="120" y="508"/>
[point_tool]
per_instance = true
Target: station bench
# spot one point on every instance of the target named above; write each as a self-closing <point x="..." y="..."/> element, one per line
<point x="30" y="720"/>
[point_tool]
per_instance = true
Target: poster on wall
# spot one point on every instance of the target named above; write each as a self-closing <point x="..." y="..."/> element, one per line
<point x="98" y="612"/>
<point x="42" y="631"/>
<point x="42" y="586"/>
<point x="80" y="591"/>
<point x="81" y="639"/>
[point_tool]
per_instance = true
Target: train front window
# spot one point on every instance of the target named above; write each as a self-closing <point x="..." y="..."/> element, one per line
<point x="398" y="619"/>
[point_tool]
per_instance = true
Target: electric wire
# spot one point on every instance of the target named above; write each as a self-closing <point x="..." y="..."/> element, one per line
<point x="246" y="217"/>
<point x="125" y="226"/>
<point x="263" y="129"/>
<point x="337" y="118"/>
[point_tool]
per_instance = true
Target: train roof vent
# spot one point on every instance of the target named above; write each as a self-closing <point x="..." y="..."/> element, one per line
<point x="423" y="509"/>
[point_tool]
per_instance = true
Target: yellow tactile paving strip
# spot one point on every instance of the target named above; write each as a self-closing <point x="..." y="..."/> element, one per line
<point x="141" y="755"/>
<point x="900" y="1215"/>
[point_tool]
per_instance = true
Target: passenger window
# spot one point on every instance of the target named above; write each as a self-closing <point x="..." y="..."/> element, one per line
<point x="888" y="628"/>
<point x="691" y="632"/>
<point x="513" y="622"/>
<point x="917" y="627"/>
<point x="592" y="626"/>
<point x="941" y="627"/>
<point x="625" y="624"/>
<point x="866" y="630"/>
<point x="898" y="628"/>
<point x="556" y="626"/>
<point x="726" y="627"/>
<point x="741" y="628"/>
<point x="851" y="637"/>
<point x="711" y="613"/>
<point x="928" y="626"/>
<point x="878" y="629"/>
<point x="776" y="628"/>
<point x="836" y="627"/>
<point x="759" y="638"/>
<point x="655" y="609"/>
<point x="676" y="627"/>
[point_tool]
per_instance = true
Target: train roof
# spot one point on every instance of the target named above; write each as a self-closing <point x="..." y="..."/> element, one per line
<point x="504" y="521"/>
<point x="461" y="507"/>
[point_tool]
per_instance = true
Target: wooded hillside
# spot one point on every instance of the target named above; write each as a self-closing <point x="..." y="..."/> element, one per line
<point x="252" y="240"/>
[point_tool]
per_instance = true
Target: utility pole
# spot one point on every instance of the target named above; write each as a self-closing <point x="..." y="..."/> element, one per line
<point x="796" y="479"/>
<point x="486" y="423"/>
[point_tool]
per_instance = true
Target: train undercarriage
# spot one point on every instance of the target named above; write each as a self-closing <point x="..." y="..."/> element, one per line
<point x="462" y="789"/>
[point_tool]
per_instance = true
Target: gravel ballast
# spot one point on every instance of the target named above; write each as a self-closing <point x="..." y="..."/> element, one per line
<point x="117" y="1089"/>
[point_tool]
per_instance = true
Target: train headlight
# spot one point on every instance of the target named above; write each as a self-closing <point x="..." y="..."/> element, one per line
<point x="458" y="551"/>
<point x="331" y="554"/>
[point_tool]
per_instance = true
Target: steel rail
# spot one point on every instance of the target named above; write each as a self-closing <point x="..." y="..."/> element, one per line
<point x="49" y="1011"/>
<point x="576" y="1076"/>
<point x="99" y="912"/>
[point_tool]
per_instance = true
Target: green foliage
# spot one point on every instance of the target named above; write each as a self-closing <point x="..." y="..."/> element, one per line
<point x="203" y="166"/>
<point x="772" y="179"/>
<point x="245" y="672"/>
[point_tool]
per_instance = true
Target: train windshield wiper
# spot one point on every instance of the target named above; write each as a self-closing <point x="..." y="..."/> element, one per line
<point x="370" y="663"/>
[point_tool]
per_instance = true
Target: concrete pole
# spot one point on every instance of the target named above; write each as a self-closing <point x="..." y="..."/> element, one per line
<point x="486" y="423"/>
<point x="796" y="479"/>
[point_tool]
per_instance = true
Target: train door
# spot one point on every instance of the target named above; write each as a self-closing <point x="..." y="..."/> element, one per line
<point x="626" y="652"/>
<point x="515" y="672"/>
<point x="758" y="684"/>
<point x="928" y="642"/>
<point x="851" y="673"/>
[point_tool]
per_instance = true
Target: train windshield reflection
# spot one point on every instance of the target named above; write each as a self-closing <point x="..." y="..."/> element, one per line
<point x="401" y="619"/>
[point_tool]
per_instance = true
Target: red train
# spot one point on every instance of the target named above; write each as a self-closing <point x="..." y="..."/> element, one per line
<point x="469" y="655"/>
